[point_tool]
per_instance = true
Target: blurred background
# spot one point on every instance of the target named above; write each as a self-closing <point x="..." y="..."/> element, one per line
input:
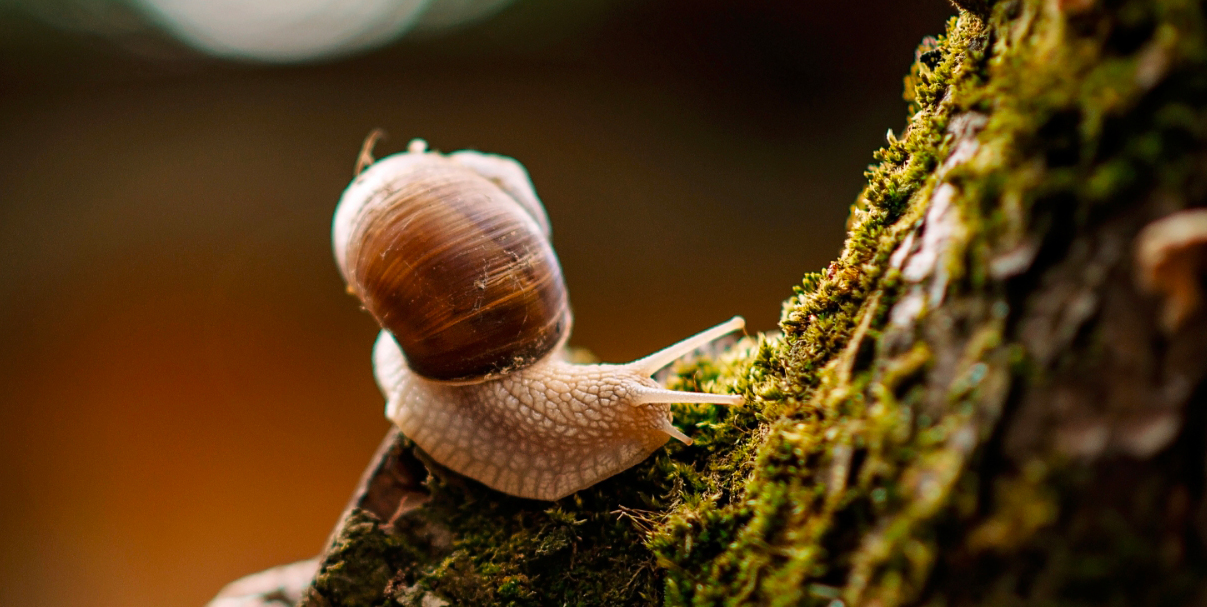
<point x="185" y="389"/>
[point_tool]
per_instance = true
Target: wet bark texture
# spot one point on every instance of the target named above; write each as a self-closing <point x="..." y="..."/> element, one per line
<point x="994" y="396"/>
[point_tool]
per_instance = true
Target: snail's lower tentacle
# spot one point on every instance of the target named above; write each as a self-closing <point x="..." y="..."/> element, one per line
<point x="674" y="432"/>
<point x="451" y="255"/>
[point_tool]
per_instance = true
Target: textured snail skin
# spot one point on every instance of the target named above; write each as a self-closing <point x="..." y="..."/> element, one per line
<point x="545" y="431"/>
<point x="451" y="255"/>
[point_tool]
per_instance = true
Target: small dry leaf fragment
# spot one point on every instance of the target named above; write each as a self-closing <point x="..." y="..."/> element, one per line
<point x="1171" y="257"/>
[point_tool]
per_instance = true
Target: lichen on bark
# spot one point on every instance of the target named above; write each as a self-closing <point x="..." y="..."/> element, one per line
<point x="973" y="404"/>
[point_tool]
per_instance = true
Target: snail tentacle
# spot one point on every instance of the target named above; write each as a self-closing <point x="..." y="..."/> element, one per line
<point x="675" y="433"/>
<point x="451" y="255"/>
<point x="651" y="396"/>
<point x="652" y="363"/>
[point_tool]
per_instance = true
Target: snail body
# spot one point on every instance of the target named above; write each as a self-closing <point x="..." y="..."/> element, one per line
<point x="451" y="255"/>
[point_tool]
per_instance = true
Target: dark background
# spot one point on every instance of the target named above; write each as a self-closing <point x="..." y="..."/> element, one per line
<point x="185" y="389"/>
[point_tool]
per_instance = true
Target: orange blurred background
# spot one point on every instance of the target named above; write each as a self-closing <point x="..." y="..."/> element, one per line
<point x="187" y="396"/>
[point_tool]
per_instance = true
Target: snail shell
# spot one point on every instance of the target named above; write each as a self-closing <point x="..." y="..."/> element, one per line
<point x="458" y="269"/>
<point x="451" y="255"/>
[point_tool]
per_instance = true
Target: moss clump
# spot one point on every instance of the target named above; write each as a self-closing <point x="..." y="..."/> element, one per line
<point x="898" y="445"/>
<point x="472" y="545"/>
<point x="887" y="475"/>
<point x="830" y="445"/>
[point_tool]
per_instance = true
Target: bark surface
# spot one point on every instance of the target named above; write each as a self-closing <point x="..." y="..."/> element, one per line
<point x="994" y="396"/>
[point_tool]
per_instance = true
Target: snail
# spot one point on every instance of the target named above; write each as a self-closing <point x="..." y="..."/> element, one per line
<point x="451" y="255"/>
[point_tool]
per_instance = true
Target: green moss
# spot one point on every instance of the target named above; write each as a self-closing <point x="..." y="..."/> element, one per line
<point x="789" y="538"/>
<point x="867" y="465"/>
<point x="865" y="455"/>
<point x="471" y="545"/>
<point x="362" y="563"/>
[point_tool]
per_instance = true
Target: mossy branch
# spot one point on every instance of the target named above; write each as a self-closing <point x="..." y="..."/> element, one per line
<point x="975" y="403"/>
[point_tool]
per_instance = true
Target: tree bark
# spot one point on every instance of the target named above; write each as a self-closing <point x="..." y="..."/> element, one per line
<point x="994" y="396"/>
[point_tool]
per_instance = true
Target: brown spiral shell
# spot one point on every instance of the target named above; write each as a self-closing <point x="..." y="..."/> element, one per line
<point x="455" y="267"/>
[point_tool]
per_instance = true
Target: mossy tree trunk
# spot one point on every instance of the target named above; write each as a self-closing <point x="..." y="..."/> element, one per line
<point x="977" y="403"/>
